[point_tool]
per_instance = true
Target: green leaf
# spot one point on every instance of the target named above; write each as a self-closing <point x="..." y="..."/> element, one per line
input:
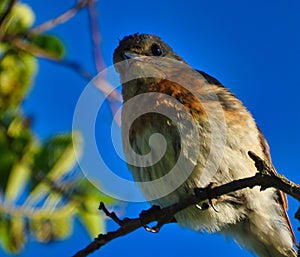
<point x="55" y="159"/>
<point x="7" y="159"/>
<point x="38" y="195"/>
<point x="17" y="181"/>
<point x="16" y="146"/>
<point x="51" y="44"/>
<point x="12" y="234"/>
<point x="51" y="228"/>
<point x="4" y="235"/>
<point x="57" y="155"/>
<point x="17" y="70"/>
<point x="88" y="212"/>
<point x="42" y="229"/>
<point x="20" y="18"/>
<point x="91" y="218"/>
<point x="17" y="234"/>
<point x="3" y="6"/>
<point x="62" y="227"/>
<point x="93" y="223"/>
<point x="66" y="145"/>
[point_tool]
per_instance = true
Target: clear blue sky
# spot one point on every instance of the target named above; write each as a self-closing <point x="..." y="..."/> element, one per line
<point x="252" y="47"/>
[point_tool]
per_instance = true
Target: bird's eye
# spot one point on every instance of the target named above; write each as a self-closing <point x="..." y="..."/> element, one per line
<point x="156" y="50"/>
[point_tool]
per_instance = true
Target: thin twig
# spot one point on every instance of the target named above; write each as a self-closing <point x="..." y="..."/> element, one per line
<point x="41" y="53"/>
<point x="103" y="239"/>
<point x="62" y="18"/>
<point x="273" y="179"/>
<point x="263" y="178"/>
<point x="109" y="214"/>
<point x="113" y="96"/>
<point x="96" y="37"/>
<point x="76" y="67"/>
<point x="28" y="47"/>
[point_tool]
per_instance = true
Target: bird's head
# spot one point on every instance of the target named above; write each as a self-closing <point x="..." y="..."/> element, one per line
<point x="142" y="45"/>
<point x="144" y="61"/>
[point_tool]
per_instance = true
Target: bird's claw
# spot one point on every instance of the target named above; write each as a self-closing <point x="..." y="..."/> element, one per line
<point x="160" y="220"/>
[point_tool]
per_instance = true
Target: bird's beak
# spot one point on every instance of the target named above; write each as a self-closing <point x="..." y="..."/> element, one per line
<point x="130" y="55"/>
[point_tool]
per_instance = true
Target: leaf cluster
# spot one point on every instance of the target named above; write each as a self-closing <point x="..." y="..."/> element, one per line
<point x="41" y="191"/>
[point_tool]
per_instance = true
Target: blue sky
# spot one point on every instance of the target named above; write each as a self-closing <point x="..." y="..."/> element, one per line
<point x="252" y="47"/>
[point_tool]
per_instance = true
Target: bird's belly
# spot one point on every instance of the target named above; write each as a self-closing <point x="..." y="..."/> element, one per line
<point x="234" y="164"/>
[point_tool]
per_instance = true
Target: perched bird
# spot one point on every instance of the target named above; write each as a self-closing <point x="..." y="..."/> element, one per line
<point x="205" y="136"/>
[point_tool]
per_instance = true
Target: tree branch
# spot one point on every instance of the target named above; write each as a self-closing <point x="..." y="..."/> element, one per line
<point x="62" y="18"/>
<point x="76" y="67"/>
<point x="96" y="37"/>
<point x="272" y="179"/>
<point x="113" y="95"/>
<point x="265" y="178"/>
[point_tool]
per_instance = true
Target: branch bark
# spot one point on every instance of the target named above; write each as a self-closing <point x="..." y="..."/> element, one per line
<point x="265" y="178"/>
<point x="95" y="34"/>
<point x="62" y="18"/>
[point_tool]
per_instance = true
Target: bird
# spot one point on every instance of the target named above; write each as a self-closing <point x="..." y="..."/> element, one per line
<point x="185" y="121"/>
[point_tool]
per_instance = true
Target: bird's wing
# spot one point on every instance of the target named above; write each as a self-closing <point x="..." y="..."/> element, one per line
<point x="210" y="79"/>
<point x="282" y="199"/>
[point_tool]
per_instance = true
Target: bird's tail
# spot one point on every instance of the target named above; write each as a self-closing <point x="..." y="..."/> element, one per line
<point x="263" y="240"/>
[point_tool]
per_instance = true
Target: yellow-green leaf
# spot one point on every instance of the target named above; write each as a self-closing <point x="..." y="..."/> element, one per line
<point x="91" y="218"/>
<point x="4" y="235"/>
<point x="17" y="181"/>
<point x="12" y="234"/>
<point x="56" y="158"/>
<point x="17" y="70"/>
<point x="20" y="19"/>
<point x="17" y="234"/>
<point x="62" y="227"/>
<point x="52" y="228"/>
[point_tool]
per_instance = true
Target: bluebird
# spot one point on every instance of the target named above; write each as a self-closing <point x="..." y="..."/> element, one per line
<point x="183" y="121"/>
